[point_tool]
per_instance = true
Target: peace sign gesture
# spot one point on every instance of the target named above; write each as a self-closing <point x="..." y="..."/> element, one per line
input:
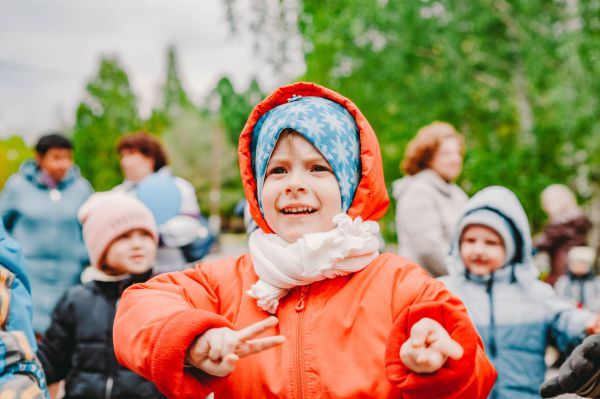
<point x="217" y="351"/>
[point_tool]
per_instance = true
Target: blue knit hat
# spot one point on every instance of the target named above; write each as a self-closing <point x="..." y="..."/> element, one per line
<point x="328" y="126"/>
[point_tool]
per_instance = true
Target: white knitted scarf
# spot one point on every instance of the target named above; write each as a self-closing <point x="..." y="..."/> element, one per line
<point x="281" y="265"/>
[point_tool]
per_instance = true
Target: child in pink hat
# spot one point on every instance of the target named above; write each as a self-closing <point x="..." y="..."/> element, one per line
<point x="121" y="237"/>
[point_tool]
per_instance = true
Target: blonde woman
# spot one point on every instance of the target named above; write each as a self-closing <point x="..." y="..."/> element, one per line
<point x="567" y="227"/>
<point x="427" y="200"/>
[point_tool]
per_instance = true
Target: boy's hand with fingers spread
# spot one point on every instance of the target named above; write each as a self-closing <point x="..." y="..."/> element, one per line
<point x="217" y="351"/>
<point x="428" y="347"/>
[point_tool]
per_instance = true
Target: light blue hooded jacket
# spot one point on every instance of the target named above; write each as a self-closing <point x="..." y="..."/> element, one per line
<point x="49" y="232"/>
<point x="515" y="313"/>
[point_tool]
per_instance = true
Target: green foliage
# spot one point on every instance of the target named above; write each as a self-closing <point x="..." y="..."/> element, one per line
<point x="108" y="111"/>
<point x="518" y="78"/>
<point x="175" y="101"/>
<point x="201" y="154"/>
<point x="234" y="108"/>
<point x="13" y="151"/>
<point x="202" y="144"/>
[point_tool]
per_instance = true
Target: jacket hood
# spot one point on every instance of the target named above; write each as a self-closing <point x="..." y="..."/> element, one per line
<point x="399" y="186"/>
<point x="370" y="200"/>
<point x="32" y="173"/>
<point x="505" y="203"/>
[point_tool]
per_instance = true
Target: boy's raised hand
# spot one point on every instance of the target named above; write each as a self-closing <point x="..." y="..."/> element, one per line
<point x="217" y="351"/>
<point x="428" y="347"/>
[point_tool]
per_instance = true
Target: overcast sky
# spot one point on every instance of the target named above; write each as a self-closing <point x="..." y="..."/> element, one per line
<point x="49" y="50"/>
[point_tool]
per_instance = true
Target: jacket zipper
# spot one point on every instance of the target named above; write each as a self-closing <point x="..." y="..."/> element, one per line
<point x="299" y="308"/>
<point x="582" y="294"/>
<point x="109" y="387"/>
<point x="490" y="292"/>
<point x="111" y="367"/>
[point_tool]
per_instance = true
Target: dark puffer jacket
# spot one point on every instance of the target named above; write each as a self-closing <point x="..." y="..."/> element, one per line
<point x="78" y="345"/>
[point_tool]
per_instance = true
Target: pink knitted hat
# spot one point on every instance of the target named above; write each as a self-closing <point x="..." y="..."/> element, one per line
<point x="106" y="216"/>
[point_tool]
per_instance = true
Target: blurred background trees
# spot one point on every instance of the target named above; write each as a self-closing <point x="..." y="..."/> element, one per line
<point x="518" y="78"/>
<point x="108" y="110"/>
<point x="14" y="151"/>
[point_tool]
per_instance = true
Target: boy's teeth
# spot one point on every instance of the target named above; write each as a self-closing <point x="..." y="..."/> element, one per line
<point x="303" y="209"/>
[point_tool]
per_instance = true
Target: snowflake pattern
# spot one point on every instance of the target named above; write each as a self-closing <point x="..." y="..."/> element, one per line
<point x="327" y="125"/>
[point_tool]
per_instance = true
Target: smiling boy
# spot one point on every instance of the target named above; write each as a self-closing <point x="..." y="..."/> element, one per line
<point x="349" y="322"/>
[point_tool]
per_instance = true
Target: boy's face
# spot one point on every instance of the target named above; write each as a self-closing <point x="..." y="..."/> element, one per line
<point x="135" y="165"/>
<point x="300" y="194"/>
<point x="133" y="252"/>
<point x="481" y="249"/>
<point x="56" y="162"/>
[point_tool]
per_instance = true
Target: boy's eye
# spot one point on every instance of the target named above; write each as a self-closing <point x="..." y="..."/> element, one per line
<point x="320" y="168"/>
<point x="276" y="170"/>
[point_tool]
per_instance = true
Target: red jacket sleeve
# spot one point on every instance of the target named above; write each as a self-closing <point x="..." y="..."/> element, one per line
<point x="157" y="321"/>
<point x="472" y="376"/>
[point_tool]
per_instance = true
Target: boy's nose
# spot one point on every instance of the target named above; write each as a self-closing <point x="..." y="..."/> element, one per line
<point x="295" y="184"/>
<point x="295" y="188"/>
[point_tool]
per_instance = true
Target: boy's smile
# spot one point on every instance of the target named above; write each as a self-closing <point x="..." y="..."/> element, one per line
<point x="300" y="193"/>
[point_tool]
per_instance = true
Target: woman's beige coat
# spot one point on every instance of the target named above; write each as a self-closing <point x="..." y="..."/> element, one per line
<point x="427" y="208"/>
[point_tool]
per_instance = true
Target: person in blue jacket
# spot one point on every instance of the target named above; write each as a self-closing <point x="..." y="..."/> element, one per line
<point x="492" y="272"/>
<point x="21" y="374"/>
<point x="38" y="207"/>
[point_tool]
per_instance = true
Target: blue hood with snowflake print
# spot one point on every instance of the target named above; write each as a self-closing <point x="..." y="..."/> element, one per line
<point x="326" y="125"/>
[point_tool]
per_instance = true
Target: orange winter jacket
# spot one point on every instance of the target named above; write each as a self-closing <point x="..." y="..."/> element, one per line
<point x="343" y="334"/>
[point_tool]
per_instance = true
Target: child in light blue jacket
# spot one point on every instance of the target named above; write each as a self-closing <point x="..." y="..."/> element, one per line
<point x="491" y="270"/>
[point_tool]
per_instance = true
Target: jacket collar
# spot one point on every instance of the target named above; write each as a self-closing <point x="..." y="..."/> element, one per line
<point x="436" y="181"/>
<point x="31" y="171"/>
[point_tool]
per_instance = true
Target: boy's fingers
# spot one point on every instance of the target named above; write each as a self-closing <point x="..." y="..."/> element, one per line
<point x="257" y="328"/>
<point x="450" y="348"/>
<point x="220" y="368"/>
<point x="231" y="360"/>
<point x="259" y="344"/>
<point x="230" y="343"/>
<point x="420" y="331"/>
<point x="428" y="359"/>
<point x="201" y="347"/>
<point x="214" y="353"/>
